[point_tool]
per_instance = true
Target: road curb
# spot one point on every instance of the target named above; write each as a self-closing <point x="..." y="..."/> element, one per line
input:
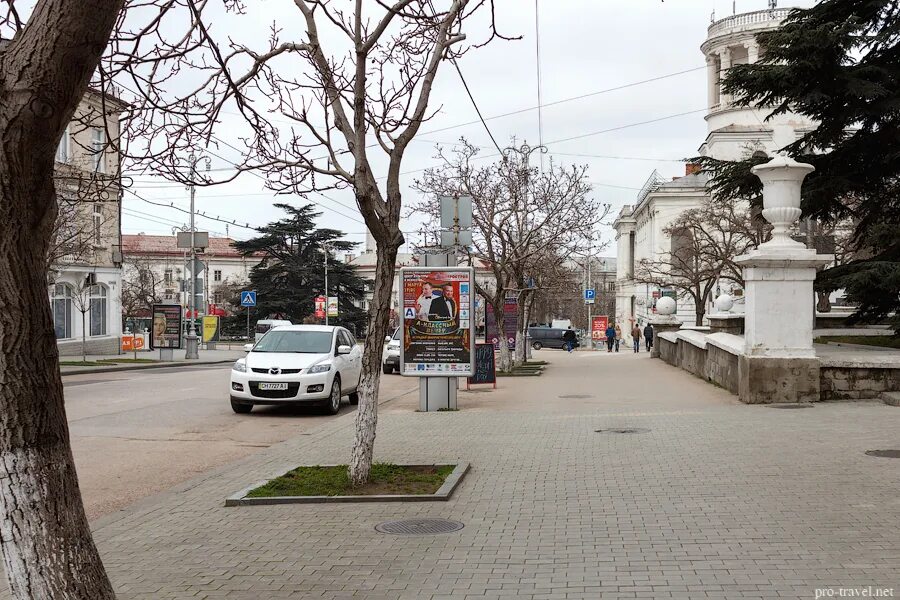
<point x="126" y="367"/>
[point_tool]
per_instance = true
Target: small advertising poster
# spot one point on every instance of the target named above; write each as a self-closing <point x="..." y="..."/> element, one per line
<point x="598" y="328"/>
<point x="510" y="323"/>
<point x="332" y="306"/>
<point x="437" y="322"/>
<point x="320" y="307"/>
<point x="167" y="326"/>
<point x="210" y="329"/>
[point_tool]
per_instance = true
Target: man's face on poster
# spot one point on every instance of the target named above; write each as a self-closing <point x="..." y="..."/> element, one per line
<point x="426" y="290"/>
<point x="448" y="290"/>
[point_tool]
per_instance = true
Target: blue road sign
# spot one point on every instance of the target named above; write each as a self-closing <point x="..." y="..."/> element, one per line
<point x="589" y="294"/>
<point x="248" y="298"/>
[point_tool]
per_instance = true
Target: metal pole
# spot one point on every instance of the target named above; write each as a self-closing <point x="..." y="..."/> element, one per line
<point x="192" y="349"/>
<point x="590" y="326"/>
<point x="248" y="326"/>
<point x="325" y="248"/>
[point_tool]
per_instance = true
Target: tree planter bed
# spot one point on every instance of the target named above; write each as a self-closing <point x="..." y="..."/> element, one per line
<point x="329" y="483"/>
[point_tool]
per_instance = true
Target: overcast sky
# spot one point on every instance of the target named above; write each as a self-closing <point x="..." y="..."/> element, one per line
<point x="587" y="46"/>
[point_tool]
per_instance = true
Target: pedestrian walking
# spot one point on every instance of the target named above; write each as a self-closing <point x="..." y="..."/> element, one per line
<point x="569" y="339"/>
<point x="648" y="336"/>
<point x="636" y="338"/>
<point x="618" y="336"/>
<point x="610" y="338"/>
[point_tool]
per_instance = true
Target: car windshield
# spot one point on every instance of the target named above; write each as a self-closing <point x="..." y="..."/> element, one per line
<point x="396" y="335"/>
<point x="304" y="342"/>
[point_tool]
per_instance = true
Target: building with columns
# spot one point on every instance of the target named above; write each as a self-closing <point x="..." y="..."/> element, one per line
<point x="733" y="132"/>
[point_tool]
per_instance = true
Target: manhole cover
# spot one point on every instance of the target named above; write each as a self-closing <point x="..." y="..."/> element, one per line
<point x="622" y="430"/>
<point x="792" y="405"/>
<point x="577" y="396"/>
<point x="419" y="526"/>
<point x="884" y="453"/>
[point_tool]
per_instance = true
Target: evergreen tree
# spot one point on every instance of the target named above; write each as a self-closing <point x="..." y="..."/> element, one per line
<point x="839" y="64"/>
<point x="292" y="272"/>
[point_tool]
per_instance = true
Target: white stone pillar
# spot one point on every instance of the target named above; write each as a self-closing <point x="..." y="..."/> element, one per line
<point x="712" y="83"/>
<point x="725" y="60"/>
<point x="752" y="52"/>
<point x="779" y="363"/>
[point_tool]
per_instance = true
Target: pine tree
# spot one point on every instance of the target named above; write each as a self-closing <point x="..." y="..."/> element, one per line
<point x="291" y="274"/>
<point x="837" y="63"/>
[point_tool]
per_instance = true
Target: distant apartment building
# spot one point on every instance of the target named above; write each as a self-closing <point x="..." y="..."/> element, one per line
<point x="85" y="274"/>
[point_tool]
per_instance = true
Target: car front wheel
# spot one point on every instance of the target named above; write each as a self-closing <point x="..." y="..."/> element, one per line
<point x="537" y="345"/>
<point x="242" y="408"/>
<point x="333" y="404"/>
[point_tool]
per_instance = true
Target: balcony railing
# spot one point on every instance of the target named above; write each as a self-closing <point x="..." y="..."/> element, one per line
<point x="751" y="18"/>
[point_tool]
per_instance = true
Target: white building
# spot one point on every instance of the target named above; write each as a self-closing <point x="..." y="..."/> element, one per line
<point x="732" y="133"/>
<point x="85" y="272"/>
<point x="222" y="266"/>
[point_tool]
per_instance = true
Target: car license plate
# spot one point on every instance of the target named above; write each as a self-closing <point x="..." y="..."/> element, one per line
<point x="273" y="386"/>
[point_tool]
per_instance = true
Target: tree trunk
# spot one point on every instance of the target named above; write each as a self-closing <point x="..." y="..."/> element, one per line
<point x="379" y="317"/>
<point x="48" y="552"/>
<point x="698" y="317"/>
<point x="47" y="547"/>
<point x="504" y="358"/>
<point x="83" y="340"/>
<point x="520" y="339"/>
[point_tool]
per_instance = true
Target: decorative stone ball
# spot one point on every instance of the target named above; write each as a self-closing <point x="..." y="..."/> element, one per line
<point x="724" y="303"/>
<point x="666" y="306"/>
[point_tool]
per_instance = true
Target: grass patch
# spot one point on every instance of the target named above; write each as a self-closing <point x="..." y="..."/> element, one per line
<point x="335" y="481"/>
<point x="127" y="360"/>
<point x="79" y="363"/>
<point x="880" y="341"/>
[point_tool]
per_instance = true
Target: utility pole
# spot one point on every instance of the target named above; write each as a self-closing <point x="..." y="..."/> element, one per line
<point x="192" y="347"/>
<point x="590" y="306"/>
<point x="325" y="250"/>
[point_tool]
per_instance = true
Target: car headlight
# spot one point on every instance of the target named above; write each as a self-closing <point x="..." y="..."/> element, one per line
<point x="319" y="368"/>
<point x="239" y="366"/>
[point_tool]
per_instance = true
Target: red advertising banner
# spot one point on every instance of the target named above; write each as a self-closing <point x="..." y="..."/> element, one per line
<point x="598" y="328"/>
<point x="437" y="318"/>
<point x="320" y="307"/>
<point x="510" y="323"/>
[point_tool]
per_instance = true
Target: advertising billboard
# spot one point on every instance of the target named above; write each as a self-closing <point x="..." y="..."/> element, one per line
<point x="332" y="306"/>
<point x="210" y="329"/>
<point x="320" y="307"/>
<point x="599" y="324"/>
<point x="437" y="339"/>
<point x="166" y="327"/>
<point x="510" y="323"/>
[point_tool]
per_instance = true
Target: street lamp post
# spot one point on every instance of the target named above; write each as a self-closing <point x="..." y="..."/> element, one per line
<point x="192" y="345"/>
<point x="325" y="250"/>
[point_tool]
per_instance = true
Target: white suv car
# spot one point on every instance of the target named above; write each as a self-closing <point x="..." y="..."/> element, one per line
<point x="298" y="364"/>
<point x="390" y="356"/>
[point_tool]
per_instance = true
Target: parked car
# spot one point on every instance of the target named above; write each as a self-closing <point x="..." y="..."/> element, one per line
<point x="264" y="325"/>
<point x="547" y="337"/>
<point x="298" y="364"/>
<point x="390" y="356"/>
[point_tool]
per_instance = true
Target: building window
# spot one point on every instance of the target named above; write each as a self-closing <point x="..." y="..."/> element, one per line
<point x="217" y="275"/>
<point x="61" y="301"/>
<point x="217" y="297"/>
<point x="167" y="276"/>
<point x="611" y="286"/>
<point x="98" y="309"/>
<point x="98" y="147"/>
<point x="97" y="223"/>
<point x="62" y="151"/>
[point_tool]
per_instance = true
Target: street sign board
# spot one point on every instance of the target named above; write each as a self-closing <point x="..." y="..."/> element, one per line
<point x="453" y="238"/>
<point x="183" y="239"/>
<point x="599" y="324"/>
<point x="248" y="298"/>
<point x="437" y="334"/>
<point x="589" y="295"/>
<point x="456" y="212"/>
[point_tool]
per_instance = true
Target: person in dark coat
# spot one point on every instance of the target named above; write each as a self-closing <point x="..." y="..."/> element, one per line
<point x="569" y="338"/>
<point x="648" y="336"/>
<point x="610" y="338"/>
<point x="636" y="338"/>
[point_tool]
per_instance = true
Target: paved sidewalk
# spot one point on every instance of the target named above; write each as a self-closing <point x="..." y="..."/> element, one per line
<point x="717" y="500"/>
<point x="206" y="357"/>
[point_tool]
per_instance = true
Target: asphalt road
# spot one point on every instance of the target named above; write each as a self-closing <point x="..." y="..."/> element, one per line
<point x="137" y="433"/>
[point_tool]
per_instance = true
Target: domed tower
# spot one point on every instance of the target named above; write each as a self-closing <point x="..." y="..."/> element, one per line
<point x="737" y="132"/>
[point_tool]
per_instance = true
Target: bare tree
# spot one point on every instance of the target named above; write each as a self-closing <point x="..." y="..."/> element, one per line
<point x="140" y="285"/>
<point x="704" y="243"/>
<point x="354" y="76"/>
<point x="81" y="301"/>
<point x="521" y="217"/>
<point x="47" y="547"/>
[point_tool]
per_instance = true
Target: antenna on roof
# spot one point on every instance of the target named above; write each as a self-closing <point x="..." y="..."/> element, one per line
<point x="773" y="4"/>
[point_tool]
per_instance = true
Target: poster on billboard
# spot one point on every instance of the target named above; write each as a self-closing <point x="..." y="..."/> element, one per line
<point x="510" y="323"/>
<point x="167" y="325"/>
<point x="320" y="307"/>
<point x="210" y="329"/>
<point x="437" y="338"/>
<point x="332" y="306"/>
<point x="599" y="324"/>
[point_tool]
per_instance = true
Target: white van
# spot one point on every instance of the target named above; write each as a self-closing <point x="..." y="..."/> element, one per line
<point x="264" y="325"/>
